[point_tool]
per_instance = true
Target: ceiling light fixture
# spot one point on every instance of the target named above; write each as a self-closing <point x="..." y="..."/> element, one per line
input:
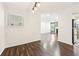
<point x="37" y="4"/>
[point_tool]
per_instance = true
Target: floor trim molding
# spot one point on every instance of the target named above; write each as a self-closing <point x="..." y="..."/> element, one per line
<point x="65" y="43"/>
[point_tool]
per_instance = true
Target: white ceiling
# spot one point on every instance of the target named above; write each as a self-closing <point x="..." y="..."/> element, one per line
<point x="19" y="5"/>
<point x="62" y="3"/>
<point x="53" y="3"/>
<point x="26" y="5"/>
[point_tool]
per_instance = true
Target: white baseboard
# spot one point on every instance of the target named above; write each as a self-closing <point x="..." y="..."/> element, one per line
<point x="65" y="42"/>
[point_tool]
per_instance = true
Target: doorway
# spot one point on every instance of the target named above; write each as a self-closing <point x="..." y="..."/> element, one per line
<point x="54" y="27"/>
<point x="75" y="29"/>
<point x="49" y="32"/>
<point x="75" y="33"/>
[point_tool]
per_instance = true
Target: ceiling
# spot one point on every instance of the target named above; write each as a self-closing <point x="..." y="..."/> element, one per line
<point x="19" y="5"/>
<point x="26" y="5"/>
<point x="63" y="3"/>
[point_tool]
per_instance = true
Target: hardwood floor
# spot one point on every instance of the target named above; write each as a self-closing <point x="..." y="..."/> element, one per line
<point x="30" y="49"/>
<point x="65" y="49"/>
<point x="35" y="49"/>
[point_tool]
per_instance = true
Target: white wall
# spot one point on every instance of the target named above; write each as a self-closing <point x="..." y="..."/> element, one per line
<point x="65" y="28"/>
<point x="45" y="27"/>
<point x="20" y="35"/>
<point x="1" y="28"/>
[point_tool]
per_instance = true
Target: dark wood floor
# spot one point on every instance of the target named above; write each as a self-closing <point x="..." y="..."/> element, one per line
<point x="65" y="49"/>
<point x="30" y="49"/>
<point x="34" y="49"/>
